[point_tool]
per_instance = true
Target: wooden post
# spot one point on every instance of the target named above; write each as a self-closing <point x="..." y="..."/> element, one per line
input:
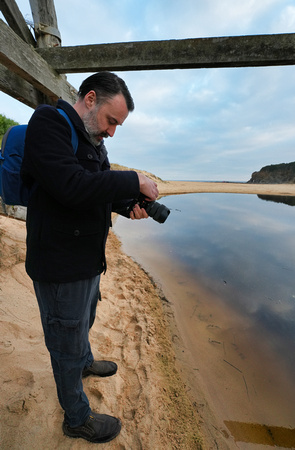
<point x="45" y="23"/>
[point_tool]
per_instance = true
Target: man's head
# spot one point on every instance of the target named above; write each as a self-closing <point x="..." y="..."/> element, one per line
<point x="104" y="103"/>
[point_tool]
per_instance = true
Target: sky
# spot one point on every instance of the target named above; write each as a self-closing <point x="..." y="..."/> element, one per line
<point x="197" y="124"/>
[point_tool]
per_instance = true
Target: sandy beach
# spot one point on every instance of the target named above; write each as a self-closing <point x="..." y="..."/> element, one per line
<point x="135" y="326"/>
<point x="190" y="187"/>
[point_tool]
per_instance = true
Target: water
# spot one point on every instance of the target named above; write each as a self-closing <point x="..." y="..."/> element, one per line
<point x="227" y="263"/>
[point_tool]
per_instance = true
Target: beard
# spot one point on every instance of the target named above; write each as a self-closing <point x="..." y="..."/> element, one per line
<point x="90" y="123"/>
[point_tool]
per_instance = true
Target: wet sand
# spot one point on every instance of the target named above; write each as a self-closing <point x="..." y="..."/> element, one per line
<point x="238" y="387"/>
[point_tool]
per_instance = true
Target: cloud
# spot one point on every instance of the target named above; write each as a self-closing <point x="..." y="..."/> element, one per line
<point x="220" y="124"/>
<point x="286" y="22"/>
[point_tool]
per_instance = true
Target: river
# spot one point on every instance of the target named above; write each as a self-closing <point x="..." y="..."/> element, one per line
<point x="226" y="262"/>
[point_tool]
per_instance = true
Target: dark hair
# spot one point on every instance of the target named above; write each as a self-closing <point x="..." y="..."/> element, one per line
<point x="106" y="85"/>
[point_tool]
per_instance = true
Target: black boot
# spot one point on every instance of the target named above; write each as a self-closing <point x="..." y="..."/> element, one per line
<point x="100" y="369"/>
<point x="98" y="428"/>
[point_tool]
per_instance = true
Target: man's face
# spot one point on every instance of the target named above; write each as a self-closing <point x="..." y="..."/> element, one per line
<point x="101" y="121"/>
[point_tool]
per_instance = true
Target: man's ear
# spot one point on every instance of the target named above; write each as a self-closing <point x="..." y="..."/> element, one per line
<point x="90" y="99"/>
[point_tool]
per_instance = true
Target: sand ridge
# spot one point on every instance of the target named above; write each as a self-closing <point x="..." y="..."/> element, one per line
<point x="189" y="187"/>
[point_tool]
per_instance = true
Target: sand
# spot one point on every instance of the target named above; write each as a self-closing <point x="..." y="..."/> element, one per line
<point x="146" y="393"/>
<point x="135" y="327"/>
<point x="187" y="187"/>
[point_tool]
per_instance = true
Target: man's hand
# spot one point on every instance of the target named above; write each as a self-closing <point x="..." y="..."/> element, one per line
<point x="138" y="213"/>
<point x="148" y="187"/>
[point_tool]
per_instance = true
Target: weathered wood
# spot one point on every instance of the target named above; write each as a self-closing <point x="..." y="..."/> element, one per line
<point x="16" y="21"/>
<point x="27" y="64"/>
<point x="20" y="89"/>
<point x="45" y="23"/>
<point x="237" y="51"/>
<point x="33" y="76"/>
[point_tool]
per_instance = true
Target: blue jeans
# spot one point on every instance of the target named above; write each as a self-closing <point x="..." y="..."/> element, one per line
<point x="67" y="313"/>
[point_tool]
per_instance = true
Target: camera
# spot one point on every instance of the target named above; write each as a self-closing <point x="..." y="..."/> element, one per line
<point x="154" y="209"/>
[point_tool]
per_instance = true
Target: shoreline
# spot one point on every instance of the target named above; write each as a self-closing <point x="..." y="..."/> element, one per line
<point x="193" y="187"/>
<point x="202" y="328"/>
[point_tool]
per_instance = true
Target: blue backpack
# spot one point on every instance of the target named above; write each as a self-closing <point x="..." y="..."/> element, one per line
<point x="12" y="189"/>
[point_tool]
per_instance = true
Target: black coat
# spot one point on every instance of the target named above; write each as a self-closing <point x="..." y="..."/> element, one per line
<point x="69" y="211"/>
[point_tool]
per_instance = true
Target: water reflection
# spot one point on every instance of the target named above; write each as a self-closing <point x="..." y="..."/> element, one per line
<point x="239" y="247"/>
<point x="288" y="200"/>
<point x="228" y="260"/>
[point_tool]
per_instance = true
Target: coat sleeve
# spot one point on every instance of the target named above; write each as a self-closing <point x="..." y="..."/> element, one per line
<point x="50" y="160"/>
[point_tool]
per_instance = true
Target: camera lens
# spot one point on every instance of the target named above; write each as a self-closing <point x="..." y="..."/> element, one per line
<point x="157" y="211"/>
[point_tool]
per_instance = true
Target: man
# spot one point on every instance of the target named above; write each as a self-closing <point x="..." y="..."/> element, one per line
<point x="68" y="219"/>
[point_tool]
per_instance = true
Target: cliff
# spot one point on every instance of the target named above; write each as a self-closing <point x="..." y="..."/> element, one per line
<point x="275" y="174"/>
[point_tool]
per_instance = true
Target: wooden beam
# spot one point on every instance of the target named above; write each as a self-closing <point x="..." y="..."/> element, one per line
<point x="16" y="21"/>
<point x="45" y="23"/>
<point x="20" y="89"/>
<point x="27" y="64"/>
<point x="237" y="51"/>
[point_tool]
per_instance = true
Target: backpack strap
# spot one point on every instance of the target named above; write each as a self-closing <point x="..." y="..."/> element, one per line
<point x="74" y="139"/>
